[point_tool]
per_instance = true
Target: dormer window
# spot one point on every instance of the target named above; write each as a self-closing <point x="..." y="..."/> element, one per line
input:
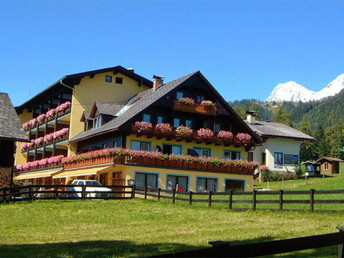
<point x="97" y="122"/>
<point x="88" y="124"/>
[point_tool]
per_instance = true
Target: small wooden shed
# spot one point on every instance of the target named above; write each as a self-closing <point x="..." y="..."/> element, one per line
<point x="329" y="165"/>
<point x="10" y="131"/>
<point x="312" y="167"/>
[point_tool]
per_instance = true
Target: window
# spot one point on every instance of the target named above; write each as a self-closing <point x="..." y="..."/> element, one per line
<point x="250" y="156"/>
<point x="97" y="122"/>
<point x="161" y="119"/>
<point x="138" y="145"/>
<point x="230" y="154"/>
<point x="278" y="158"/>
<point x="203" y="151"/>
<point x="206" y="124"/>
<point x="206" y="184"/>
<point x="115" y="144"/>
<point x="234" y="185"/>
<point x="180" y="94"/>
<point x="177" y="181"/>
<point x="172" y="149"/>
<point x="104" y="146"/>
<point x="188" y="123"/>
<point x="119" y="80"/>
<point x="103" y="179"/>
<point x="176" y="122"/>
<point x="146" y="117"/>
<point x="199" y="98"/>
<point x="146" y="180"/>
<point x="326" y="165"/>
<point x="217" y="128"/>
<point x="108" y="78"/>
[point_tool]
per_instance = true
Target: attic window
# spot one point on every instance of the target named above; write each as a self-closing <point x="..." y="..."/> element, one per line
<point x="119" y="80"/>
<point x="108" y="78"/>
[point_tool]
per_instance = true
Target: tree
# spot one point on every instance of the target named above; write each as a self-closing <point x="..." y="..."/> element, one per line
<point x="307" y="147"/>
<point x="282" y="116"/>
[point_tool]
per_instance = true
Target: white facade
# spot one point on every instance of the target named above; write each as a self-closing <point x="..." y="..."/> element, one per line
<point x="281" y="154"/>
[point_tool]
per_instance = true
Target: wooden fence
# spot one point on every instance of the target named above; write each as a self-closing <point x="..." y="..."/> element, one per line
<point x="253" y="200"/>
<point x="34" y="192"/>
<point x="224" y="249"/>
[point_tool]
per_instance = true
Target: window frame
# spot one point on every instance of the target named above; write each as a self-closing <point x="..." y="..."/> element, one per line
<point x="118" y="80"/>
<point x="231" y="151"/>
<point x="278" y="153"/>
<point x="146" y="115"/>
<point x="146" y="178"/>
<point x="177" y="176"/>
<point x="207" y="178"/>
<point x="235" y="179"/>
<point x="140" y="142"/>
<point x="202" y="148"/>
<point x="108" y="78"/>
<point x="174" y="145"/>
<point x="179" y="93"/>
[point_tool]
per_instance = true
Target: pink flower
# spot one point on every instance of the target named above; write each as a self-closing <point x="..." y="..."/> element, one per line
<point x="39" y="140"/>
<point x="205" y="133"/>
<point x="186" y="101"/>
<point x="24" y="146"/>
<point x="142" y="127"/>
<point x="244" y="138"/>
<point x="19" y="167"/>
<point x="225" y="136"/>
<point x="163" y="128"/>
<point x="51" y="112"/>
<point x="41" y="117"/>
<point x="43" y="162"/>
<point x="208" y="103"/>
<point x="183" y="131"/>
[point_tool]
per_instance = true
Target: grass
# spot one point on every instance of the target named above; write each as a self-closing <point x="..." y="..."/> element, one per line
<point x="142" y="228"/>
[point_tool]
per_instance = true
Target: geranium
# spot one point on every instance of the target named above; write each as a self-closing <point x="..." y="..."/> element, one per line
<point x="41" y="117"/>
<point x="26" y="125"/>
<point x="34" y="164"/>
<point x="208" y="103"/>
<point x="244" y="138"/>
<point x="19" y="167"/>
<point x="43" y="162"/>
<point x="48" y="138"/>
<point x="51" y="112"/>
<point x="205" y="133"/>
<point x="31" y="144"/>
<point x="186" y="101"/>
<point x="39" y="140"/>
<point x="226" y="136"/>
<point x="263" y="167"/>
<point x="183" y="131"/>
<point x="142" y="127"/>
<point x="33" y="122"/>
<point x="163" y="128"/>
<point x="55" y="159"/>
<point x="24" y="146"/>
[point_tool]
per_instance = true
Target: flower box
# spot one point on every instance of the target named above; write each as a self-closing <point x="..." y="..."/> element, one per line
<point x="195" y="108"/>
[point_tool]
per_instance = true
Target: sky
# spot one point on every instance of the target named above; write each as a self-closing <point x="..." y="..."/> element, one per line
<point x="244" y="48"/>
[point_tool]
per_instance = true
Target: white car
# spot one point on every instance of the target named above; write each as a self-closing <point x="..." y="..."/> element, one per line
<point x="92" y="186"/>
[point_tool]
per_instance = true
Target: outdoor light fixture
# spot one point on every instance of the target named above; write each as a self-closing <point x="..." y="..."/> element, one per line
<point x="131" y="182"/>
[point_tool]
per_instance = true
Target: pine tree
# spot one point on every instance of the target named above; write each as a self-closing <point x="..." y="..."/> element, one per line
<point x="282" y="116"/>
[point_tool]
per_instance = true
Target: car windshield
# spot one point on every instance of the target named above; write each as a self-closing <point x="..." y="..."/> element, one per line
<point x="93" y="183"/>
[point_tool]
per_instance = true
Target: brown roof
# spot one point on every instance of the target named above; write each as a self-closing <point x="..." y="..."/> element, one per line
<point x="331" y="159"/>
<point x="10" y="126"/>
<point x="145" y="99"/>
<point x="271" y="130"/>
<point x="105" y="108"/>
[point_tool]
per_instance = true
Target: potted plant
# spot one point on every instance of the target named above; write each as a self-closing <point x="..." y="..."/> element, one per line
<point x="243" y="138"/>
<point x="208" y="103"/>
<point x="224" y="136"/>
<point x="186" y="101"/>
<point x="183" y="132"/>
<point x="142" y="127"/>
<point x="163" y="129"/>
<point x="205" y="134"/>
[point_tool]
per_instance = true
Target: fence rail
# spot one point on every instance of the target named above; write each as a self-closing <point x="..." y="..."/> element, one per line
<point x="225" y="249"/>
<point x="253" y="200"/>
<point x="34" y="192"/>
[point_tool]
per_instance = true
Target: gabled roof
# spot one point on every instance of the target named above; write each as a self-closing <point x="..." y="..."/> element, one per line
<point x="105" y="108"/>
<point x="10" y="126"/>
<point x="69" y="81"/>
<point x="329" y="159"/>
<point x="273" y="130"/>
<point x="146" y="98"/>
<point x="85" y="116"/>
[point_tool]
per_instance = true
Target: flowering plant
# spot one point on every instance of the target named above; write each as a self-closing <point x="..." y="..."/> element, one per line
<point x="186" y="101"/>
<point x="51" y="112"/>
<point x="55" y="159"/>
<point x="31" y="144"/>
<point x="39" y="140"/>
<point x="41" y="118"/>
<point x="163" y="128"/>
<point x="43" y="162"/>
<point x="205" y="133"/>
<point x="62" y="106"/>
<point x="33" y="122"/>
<point x="24" y="146"/>
<point x="142" y="127"/>
<point x="243" y="138"/>
<point x="225" y="136"/>
<point x="208" y="103"/>
<point x="183" y="131"/>
<point x="263" y="167"/>
<point x="26" y="126"/>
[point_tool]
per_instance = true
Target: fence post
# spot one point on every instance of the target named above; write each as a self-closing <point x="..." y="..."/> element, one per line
<point x="341" y="247"/>
<point x="254" y="199"/>
<point x="30" y="194"/>
<point x="174" y="196"/>
<point x="281" y="200"/>
<point x="159" y="193"/>
<point x="56" y="194"/>
<point x="312" y="200"/>
<point x="4" y="194"/>
<point x="190" y="197"/>
<point x="133" y="191"/>
<point x="83" y="194"/>
<point x="209" y="199"/>
<point x="146" y="190"/>
<point x="230" y="199"/>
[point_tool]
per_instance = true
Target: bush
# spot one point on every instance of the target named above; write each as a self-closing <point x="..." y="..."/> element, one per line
<point x="298" y="171"/>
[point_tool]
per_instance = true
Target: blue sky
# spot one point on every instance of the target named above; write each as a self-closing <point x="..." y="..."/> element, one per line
<point x="244" y="48"/>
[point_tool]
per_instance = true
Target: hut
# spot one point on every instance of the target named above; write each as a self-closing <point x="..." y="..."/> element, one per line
<point x="329" y="165"/>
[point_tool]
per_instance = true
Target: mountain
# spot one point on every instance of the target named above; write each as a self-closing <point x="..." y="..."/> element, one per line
<point x="292" y="91"/>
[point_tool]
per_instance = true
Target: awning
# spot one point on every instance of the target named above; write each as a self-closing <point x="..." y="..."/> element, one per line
<point x="82" y="172"/>
<point x="38" y="174"/>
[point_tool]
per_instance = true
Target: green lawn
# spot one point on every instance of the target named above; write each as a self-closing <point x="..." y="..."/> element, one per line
<point x="141" y="228"/>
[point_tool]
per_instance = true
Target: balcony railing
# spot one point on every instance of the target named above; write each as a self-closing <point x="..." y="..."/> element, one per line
<point x="44" y="141"/>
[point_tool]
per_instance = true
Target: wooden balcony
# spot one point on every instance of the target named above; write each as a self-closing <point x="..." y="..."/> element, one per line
<point x="195" y="108"/>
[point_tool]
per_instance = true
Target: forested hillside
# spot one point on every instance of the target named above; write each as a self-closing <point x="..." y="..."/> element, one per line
<point x="324" y="120"/>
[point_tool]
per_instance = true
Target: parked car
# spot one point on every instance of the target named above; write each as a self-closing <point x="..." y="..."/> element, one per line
<point x="92" y="187"/>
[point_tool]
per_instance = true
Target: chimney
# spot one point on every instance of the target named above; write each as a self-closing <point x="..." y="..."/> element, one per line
<point x="130" y="69"/>
<point x="157" y="81"/>
<point x="251" y="116"/>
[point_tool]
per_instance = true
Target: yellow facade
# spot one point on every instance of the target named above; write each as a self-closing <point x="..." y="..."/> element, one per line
<point x="94" y="89"/>
<point x="19" y="157"/>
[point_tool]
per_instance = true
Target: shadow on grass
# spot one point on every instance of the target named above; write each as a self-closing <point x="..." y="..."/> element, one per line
<point x="127" y="248"/>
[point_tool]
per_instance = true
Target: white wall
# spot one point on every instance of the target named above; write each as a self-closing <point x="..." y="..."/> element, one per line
<point x="283" y="145"/>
